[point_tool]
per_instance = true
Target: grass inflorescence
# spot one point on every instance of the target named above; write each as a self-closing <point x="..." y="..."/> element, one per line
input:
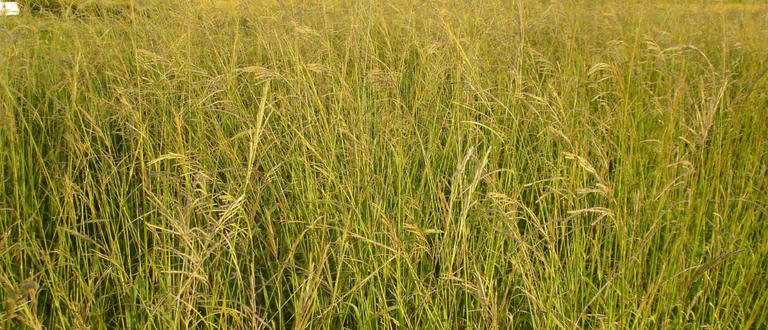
<point x="431" y="164"/>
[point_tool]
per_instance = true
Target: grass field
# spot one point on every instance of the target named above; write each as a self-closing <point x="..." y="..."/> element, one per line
<point x="429" y="164"/>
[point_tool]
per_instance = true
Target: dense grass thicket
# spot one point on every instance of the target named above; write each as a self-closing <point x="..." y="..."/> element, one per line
<point x="430" y="164"/>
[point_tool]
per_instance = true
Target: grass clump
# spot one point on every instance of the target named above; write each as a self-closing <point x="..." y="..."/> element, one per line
<point x="382" y="165"/>
<point x="83" y="9"/>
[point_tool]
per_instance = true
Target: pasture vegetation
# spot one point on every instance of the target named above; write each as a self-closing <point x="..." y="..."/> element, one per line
<point x="574" y="164"/>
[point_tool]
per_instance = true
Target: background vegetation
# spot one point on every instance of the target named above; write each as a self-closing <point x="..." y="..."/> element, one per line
<point x="385" y="164"/>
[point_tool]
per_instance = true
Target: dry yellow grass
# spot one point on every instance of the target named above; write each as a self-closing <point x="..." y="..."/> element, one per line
<point x="384" y="164"/>
<point x="721" y="7"/>
<point x="237" y="5"/>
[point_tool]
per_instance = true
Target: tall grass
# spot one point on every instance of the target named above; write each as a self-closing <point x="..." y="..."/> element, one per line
<point x="385" y="164"/>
